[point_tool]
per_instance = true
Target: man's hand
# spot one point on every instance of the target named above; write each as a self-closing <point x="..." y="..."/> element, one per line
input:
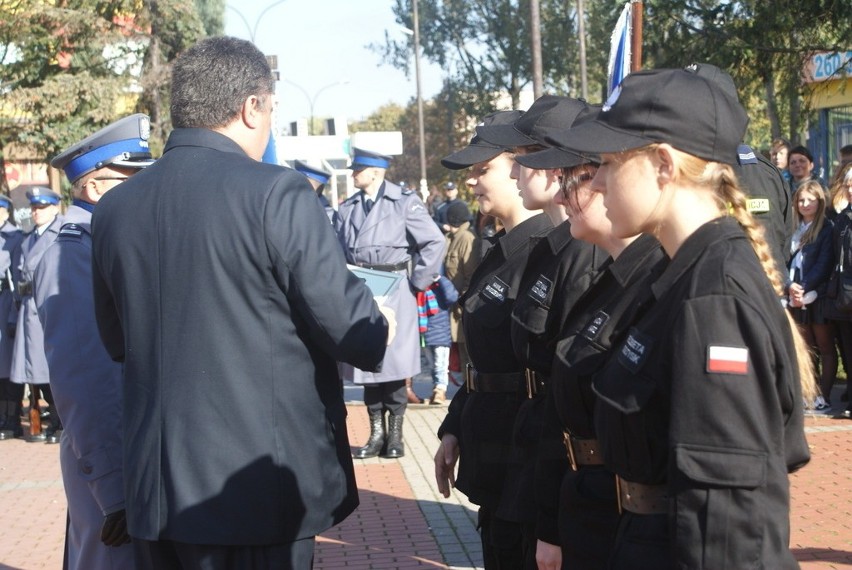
<point x="390" y="317"/>
<point x="445" y="464"/>
<point x="548" y="556"/>
<point x="114" y="530"/>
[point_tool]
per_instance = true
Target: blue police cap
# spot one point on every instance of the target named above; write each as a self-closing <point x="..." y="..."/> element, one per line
<point x="312" y="172"/>
<point x="42" y="195"/>
<point x="122" y="144"/>
<point x="362" y="159"/>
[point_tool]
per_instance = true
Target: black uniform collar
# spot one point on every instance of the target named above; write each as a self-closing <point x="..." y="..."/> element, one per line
<point x="559" y="237"/>
<point x="633" y="258"/>
<point x="536" y="226"/>
<point x="720" y="229"/>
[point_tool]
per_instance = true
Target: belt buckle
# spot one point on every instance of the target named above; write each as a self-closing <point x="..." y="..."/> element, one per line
<point x="468" y="377"/>
<point x="529" y="377"/>
<point x="569" y="446"/>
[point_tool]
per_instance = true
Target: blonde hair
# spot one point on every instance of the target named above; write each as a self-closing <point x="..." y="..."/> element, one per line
<point x="837" y="189"/>
<point x="815" y="189"/>
<point x="722" y="179"/>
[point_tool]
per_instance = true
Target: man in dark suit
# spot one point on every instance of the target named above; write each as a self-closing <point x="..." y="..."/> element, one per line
<point x="220" y="284"/>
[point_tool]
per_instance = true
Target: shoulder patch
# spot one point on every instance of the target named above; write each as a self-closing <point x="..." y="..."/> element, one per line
<point x="594" y="327"/>
<point x="496" y="290"/>
<point x="71" y="231"/>
<point x="540" y="291"/>
<point x="757" y="205"/>
<point x="634" y="351"/>
<point x="727" y="359"/>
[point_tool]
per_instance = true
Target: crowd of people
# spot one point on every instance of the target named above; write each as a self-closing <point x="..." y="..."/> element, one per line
<point x="638" y="319"/>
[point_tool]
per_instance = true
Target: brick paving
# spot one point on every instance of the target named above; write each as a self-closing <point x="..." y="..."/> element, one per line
<point x="402" y="521"/>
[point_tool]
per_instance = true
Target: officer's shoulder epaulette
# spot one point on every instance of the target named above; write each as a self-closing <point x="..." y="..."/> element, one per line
<point x="71" y="231"/>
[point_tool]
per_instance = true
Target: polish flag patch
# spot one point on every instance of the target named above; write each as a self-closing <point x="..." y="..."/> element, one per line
<point x="727" y="360"/>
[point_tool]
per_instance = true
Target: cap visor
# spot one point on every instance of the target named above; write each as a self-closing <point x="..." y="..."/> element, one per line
<point x="470" y="155"/>
<point x="133" y="163"/>
<point x="553" y="158"/>
<point x="506" y="136"/>
<point x="596" y="137"/>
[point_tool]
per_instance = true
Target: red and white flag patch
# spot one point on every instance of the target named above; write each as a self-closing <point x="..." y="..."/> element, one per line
<point x="727" y="359"/>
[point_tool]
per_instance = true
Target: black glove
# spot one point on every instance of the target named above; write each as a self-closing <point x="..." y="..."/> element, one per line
<point x="114" y="531"/>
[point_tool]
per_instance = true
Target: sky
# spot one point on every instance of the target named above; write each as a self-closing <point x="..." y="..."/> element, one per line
<point x="322" y="47"/>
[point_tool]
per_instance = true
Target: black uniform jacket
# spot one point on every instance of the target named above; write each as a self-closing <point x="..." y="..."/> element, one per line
<point x="703" y="396"/>
<point x="221" y="285"/>
<point x="599" y="320"/>
<point x="560" y="269"/>
<point x="483" y="421"/>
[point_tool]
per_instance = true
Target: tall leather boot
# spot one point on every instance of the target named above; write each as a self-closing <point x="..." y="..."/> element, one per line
<point x="395" y="446"/>
<point x="376" y="441"/>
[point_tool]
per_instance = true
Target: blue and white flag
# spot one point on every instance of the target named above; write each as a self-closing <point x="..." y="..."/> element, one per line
<point x="619" y="51"/>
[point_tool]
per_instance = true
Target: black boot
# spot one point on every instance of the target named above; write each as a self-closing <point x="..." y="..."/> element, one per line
<point x="10" y="420"/>
<point x="395" y="446"/>
<point x="377" y="437"/>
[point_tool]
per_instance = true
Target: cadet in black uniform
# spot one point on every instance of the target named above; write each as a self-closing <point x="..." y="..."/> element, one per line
<point x="575" y="494"/>
<point x="699" y="410"/>
<point x="558" y="272"/>
<point x="481" y="415"/>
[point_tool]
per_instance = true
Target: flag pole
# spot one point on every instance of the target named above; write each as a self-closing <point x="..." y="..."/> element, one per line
<point x="636" y="39"/>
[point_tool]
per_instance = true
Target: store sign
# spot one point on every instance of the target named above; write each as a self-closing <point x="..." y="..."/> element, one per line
<point x="825" y="66"/>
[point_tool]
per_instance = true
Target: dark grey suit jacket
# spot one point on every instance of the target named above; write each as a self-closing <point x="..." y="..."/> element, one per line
<point x="220" y="284"/>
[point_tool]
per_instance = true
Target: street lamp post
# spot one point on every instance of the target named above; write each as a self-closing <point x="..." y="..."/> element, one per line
<point x="415" y="36"/>
<point x="253" y="30"/>
<point x="313" y="100"/>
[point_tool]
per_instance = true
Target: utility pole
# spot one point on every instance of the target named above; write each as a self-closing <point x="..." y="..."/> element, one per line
<point x="581" y="32"/>
<point x="535" y="36"/>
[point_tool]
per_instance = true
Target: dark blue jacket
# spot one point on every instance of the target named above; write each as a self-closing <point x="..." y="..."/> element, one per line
<point x="817" y="261"/>
<point x="438" y="325"/>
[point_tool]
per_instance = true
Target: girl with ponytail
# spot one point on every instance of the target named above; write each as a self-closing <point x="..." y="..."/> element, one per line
<point x="699" y="410"/>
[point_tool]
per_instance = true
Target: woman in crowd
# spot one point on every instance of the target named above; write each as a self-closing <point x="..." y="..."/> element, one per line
<point x="810" y="267"/>
<point x="699" y="410"/>
<point x="558" y="271"/>
<point x="841" y="201"/>
<point x="477" y="430"/>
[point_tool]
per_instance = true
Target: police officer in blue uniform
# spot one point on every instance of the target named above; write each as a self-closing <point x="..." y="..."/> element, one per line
<point x="318" y="178"/>
<point x="86" y="382"/>
<point x="11" y="394"/>
<point x="29" y="364"/>
<point x="387" y="228"/>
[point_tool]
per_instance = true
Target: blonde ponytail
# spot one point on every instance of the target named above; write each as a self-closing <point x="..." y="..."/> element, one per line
<point x="735" y="199"/>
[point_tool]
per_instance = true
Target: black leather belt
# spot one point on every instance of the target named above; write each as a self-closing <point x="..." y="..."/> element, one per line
<point x="536" y="383"/>
<point x="492" y="381"/>
<point x="384" y="266"/>
<point x="642" y="499"/>
<point x="582" y="451"/>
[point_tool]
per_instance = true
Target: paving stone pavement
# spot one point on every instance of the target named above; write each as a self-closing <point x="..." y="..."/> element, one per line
<point x="402" y="521"/>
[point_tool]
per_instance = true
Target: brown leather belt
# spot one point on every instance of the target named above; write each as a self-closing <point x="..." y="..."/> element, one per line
<point x="642" y="499"/>
<point x="535" y="383"/>
<point x="582" y="451"/>
<point x="491" y="382"/>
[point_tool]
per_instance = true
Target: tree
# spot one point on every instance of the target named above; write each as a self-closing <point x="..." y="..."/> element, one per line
<point x="68" y="71"/>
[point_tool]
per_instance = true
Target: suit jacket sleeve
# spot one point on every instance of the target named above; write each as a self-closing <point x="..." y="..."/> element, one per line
<point x="310" y="268"/>
<point x="427" y="240"/>
<point x="106" y="314"/>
